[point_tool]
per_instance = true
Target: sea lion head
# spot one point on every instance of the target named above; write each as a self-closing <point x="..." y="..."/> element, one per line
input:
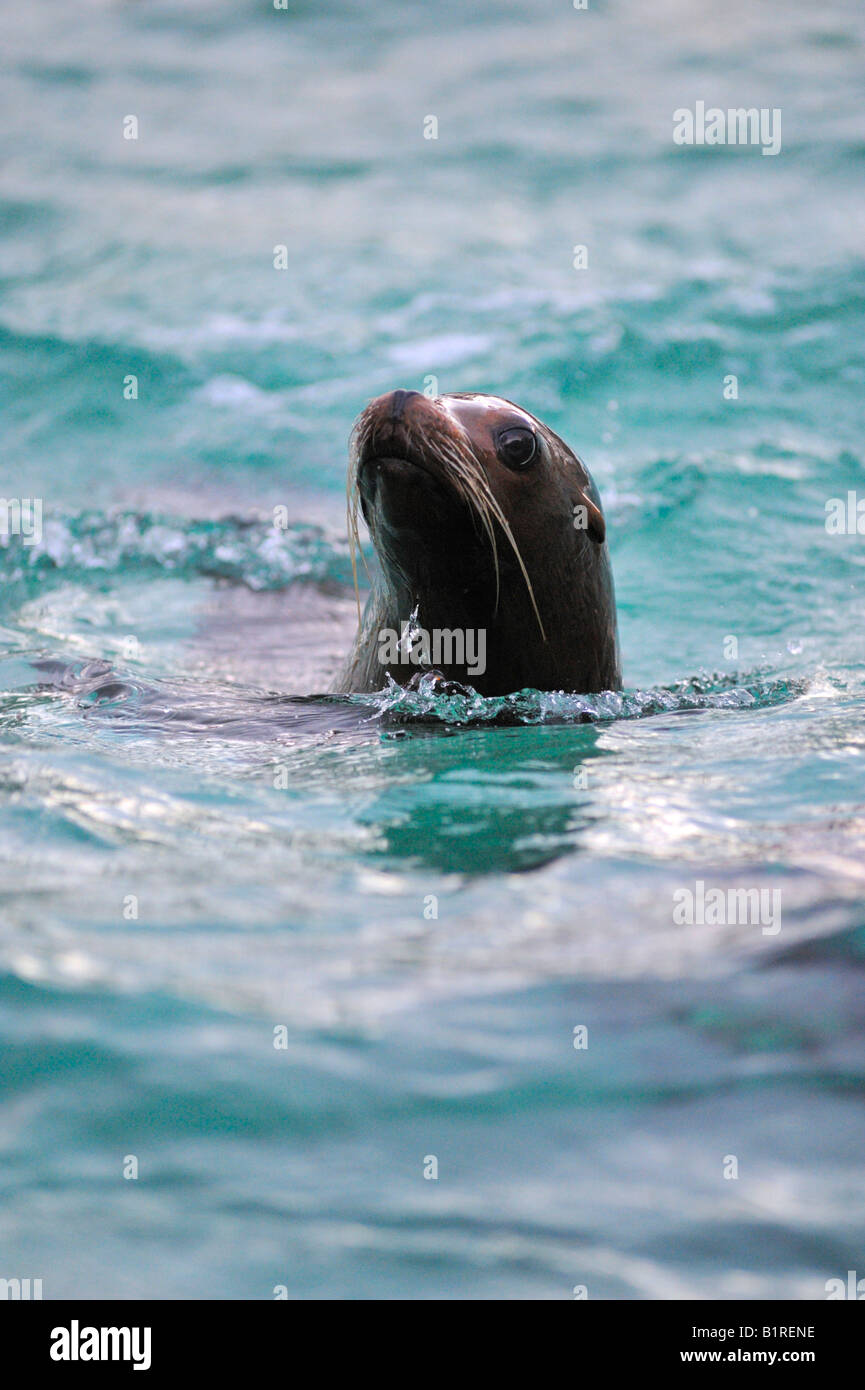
<point x="483" y="518"/>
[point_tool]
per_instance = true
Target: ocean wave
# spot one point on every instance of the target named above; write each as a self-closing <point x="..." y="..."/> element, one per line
<point x="254" y="551"/>
<point x="105" y="691"/>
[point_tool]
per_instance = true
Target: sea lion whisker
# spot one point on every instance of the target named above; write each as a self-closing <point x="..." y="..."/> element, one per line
<point x="352" y="508"/>
<point x="472" y="486"/>
<point x="481" y="496"/>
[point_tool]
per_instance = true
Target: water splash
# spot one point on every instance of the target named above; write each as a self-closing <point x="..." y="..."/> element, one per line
<point x="426" y="703"/>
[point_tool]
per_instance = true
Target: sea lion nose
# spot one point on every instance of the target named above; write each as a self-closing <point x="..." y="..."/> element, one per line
<point x="398" y="402"/>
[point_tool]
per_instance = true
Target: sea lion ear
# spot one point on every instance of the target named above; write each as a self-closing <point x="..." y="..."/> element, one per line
<point x="589" y="517"/>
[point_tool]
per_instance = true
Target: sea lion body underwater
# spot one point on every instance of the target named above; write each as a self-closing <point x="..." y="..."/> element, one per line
<point x="488" y="530"/>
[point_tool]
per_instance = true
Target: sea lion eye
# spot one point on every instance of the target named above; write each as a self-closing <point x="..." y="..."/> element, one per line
<point x="517" y="447"/>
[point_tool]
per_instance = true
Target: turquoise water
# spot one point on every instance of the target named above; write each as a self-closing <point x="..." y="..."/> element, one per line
<point x="192" y="859"/>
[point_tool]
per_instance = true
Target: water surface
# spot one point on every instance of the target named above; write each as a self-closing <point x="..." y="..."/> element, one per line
<point x="194" y="856"/>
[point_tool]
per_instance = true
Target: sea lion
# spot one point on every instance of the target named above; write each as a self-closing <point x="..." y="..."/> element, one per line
<point x="492" y="552"/>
